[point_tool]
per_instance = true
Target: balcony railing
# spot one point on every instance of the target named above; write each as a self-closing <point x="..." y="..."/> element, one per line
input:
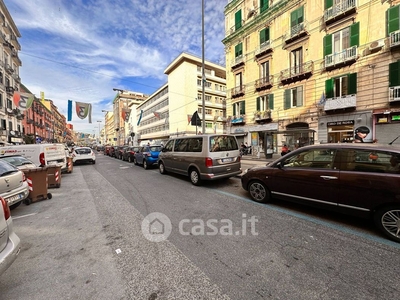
<point x="346" y="101"/>
<point x="264" y="83"/>
<point x="296" y="32"/>
<point x="264" y="48"/>
<point x="394" y="93"/>
<point x="234" y="28"/>
<point x="339" y="8"/>
<point x="238" y="91"/>
<point x="299" y="71"/>
<point x="238" y="61"/>
<point x="343" y="56"/>
<point x="394" y="38"/>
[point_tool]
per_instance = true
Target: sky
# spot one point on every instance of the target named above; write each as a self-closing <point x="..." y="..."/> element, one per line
<point x="82" y="49"/>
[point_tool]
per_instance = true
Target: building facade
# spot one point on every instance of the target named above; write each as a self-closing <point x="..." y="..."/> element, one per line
<point x="304" y="72"/>
<point x="168" y="111"/>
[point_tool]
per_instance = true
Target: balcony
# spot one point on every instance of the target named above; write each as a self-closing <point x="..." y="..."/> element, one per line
<point x="340" y="10"/>
<point x="344" y="57"/>
<point x="394" y="94"/>
<point x="296" y="32"/>
<point x="238" y="119"/>
<point x="347" y="101"/>
<point x="9" y="69"/>
<point x="264" y="49"/>
<point x="237" y="62"/>
<point x="238" y="91"/>
<point x="234" y="28"/>
<point x="394" y="39"/>
<point x="262" y="116"/>
<point x="297" y="73"/>
<point x="264" y="83"/>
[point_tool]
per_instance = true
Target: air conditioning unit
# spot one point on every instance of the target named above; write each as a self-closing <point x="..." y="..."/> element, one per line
<point x="377" y="45"/>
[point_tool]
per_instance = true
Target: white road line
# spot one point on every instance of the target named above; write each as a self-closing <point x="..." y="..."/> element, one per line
<point x="19" y="217"/>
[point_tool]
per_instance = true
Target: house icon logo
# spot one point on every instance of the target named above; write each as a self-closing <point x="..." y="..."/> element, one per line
<point x="156" y="227"/>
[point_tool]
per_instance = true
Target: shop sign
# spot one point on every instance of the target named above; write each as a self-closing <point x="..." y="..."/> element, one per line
<point x="340" y="123"/>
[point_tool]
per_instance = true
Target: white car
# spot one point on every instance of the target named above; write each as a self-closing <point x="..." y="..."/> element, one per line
<point x="83" y="155"/>
<point x="9" y="241"/>
<point x="13" y="185"/>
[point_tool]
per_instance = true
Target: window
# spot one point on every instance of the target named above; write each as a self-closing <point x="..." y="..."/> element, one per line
<point x="264" y="70"/>
<point x="341" y="86"/>
<point x="263" y="5"/>
<point x="293" y="97"/>
<point x="264" y="37"/>
<point x="238" y="50"/>
<point x="238" y="19"/>
<point x="296" y="21"/>
<point x="394" y="74"/>
<point x="321" y="159"/>
<point x="265" y="102"/>
<point x="3" y="124"/>
<point x="1" y="100"/>
<point x="296" y="61"/>
<point x="195" y="145"/>
<point x="207" y="84"/>
<point x="9" y="103"/>
<point x="199" y="82"/>
<point x="238" y="80"/>
<point x="223" y="143"/>
<point x="342" y="40"/>
<point x="393" y="18"/>
<point x="10" y="125"/>
<point x="7" y="82"/>
<point x="1" y="77"/>
<point x="238" y="108"/>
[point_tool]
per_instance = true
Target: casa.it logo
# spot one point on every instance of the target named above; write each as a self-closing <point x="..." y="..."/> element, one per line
<point x="156" y="227"/>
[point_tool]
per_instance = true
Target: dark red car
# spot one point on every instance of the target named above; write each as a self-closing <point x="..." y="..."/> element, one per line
<point x="129" y="153"/>
<point x="359" y="179"/>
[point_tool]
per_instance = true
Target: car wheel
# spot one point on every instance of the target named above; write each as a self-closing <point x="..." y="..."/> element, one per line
<point x="145" y="165"/>
<point x="135" y="161"/>
<point x="259" y="192"/>
<point x="161" y="168"/>
<point x="94" y="162"/>
<point x="129" y="159"/>
<point x="387" y="219"/>
<point x="15" y="205"/>
<point x="194" y="176"/>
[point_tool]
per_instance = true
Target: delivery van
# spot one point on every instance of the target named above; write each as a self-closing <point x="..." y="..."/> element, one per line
<point x="42" y="155"/>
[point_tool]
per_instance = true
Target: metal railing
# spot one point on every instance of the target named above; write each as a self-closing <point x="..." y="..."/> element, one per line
<point x="394" y="38"/>
<point x="300" y="69"/>
<point x="239" y="90"/>
<point x="263" y="47"/>
<point x="394" y="93"/>
<point x="341" y="102"/>
<point x="265" y="81"/>
<point x="341" y="57"/>
<point x="337" y="9"/>
<point x="239" y="59"/>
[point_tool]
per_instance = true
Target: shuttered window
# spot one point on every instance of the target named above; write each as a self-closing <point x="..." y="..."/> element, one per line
<point x="264" y="36"/>
<point x="263" y="5"/>
<point x="341" y="86"/>
<point x="238" y="19"/>
<point x="238" y="50"/>
<point x="393" y="19"/>
<point x="293" y="97"/>
<point x="394" y="74"/>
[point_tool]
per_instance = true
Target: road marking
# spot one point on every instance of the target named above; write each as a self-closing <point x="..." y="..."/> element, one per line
<point x="23" y="216"/>
<point x="338" y="227"/>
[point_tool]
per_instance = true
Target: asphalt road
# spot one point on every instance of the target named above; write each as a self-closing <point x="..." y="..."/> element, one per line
<point x="88" y="242"/>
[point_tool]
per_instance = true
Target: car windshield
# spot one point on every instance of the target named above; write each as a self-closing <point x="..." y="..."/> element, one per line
<point x="153" y="148"/>
<point x="17" y="161"/>
<point x="6" y="168"/>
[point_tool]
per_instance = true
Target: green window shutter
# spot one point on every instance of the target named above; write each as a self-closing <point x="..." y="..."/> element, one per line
<point x="329" y="88"/>
<point x="352" y="83"/>
<point x="262" y="36"/>
<point x="263" y="5"/>
<point x="271" y="101"/>
<point x="297" y="16"/>
<point x="242" y="108"/>
<point x="258" y="104"/>
<point x="300" y="15"/>
<point x="299" y="96"/>
<point x="287" y="100"/>
<point x="394" y="72"/>
<point x="293" y="18"/>
<point x="238" y="19"/>
<point x="238" y="50"/>
<point x="355" y="34"/>
<point x="328" y="4"/>
<point x="327" y="45"/>
<point x="393" y="15"/>
<point x="234" y="109"/>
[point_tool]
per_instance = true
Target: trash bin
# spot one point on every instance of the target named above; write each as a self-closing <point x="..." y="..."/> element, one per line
<point x="53" y="176"/>
<point x="70" y="164"/>
<point x="37" y="182"/>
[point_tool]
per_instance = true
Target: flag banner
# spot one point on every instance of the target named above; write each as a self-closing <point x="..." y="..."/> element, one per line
<point x="140" y="117"/>
<point x="189" y="118"/>
<point x="196" y="121"/>
<point x="84" y="110"/>
<point x="125" y="113"/>
<point x="322" y="100"/>
<point x="69" y="117"/>
<point x="23" y="101"/>
<point x="157" y="115"/>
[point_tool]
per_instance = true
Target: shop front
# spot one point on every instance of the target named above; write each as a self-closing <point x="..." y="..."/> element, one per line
<point x="387" y="125"/>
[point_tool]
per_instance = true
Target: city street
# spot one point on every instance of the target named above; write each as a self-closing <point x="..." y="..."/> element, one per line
<point x="89" y="242"/>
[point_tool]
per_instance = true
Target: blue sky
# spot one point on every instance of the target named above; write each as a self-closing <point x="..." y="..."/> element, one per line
<point x="82" y="49"/>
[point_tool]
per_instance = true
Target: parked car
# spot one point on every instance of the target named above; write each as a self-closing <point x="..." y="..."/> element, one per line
<point x="358" y="178"/>
<point x="20" y="162"/>
<point x="129" y="153"/>
<point x="83" y="155"/>
<point x="147" y="156"/>
<point x="201" y="157"/>
<point x="112" y="150"/>
<point x="10" y="244"/>
<point x="13" y="185"/>
<point x="120" y="152"/>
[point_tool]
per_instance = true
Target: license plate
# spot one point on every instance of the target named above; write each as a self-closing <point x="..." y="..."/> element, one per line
<point x="51" y="163"/>
<point x="13" y="198"/>
<point x="230" y="159"/>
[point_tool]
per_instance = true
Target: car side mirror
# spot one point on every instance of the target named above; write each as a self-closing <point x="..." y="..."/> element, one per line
<point x="279" y="165"/>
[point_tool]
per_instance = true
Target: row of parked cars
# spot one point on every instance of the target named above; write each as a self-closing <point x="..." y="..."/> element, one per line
<point x="359" y="179"/>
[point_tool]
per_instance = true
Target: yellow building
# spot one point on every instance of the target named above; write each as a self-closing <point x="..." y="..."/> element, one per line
<point x="109" y="132"/>
<point x="311" y="71"/>
<point x="168" y="111"/>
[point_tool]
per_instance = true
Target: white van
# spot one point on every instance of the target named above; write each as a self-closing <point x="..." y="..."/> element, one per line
<point x="41" y="154"/>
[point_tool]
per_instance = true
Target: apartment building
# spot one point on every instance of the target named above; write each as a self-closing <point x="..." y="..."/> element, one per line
<point x="10" y="116"/>
<point x="311" y="71"/>
<point x="168" y="111"/>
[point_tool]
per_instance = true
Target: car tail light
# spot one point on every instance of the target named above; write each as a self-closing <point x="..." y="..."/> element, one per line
<point x="6" y="209"/>
<point x="23" y="176"/>
<point x="209" y="162"/>
<point x="41" y="159"/>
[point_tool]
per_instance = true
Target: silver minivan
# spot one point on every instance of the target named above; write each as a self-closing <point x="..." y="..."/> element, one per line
<point x="201" y="157"/>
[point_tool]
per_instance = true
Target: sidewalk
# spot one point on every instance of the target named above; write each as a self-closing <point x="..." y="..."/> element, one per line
<point x="261" y="159"/>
